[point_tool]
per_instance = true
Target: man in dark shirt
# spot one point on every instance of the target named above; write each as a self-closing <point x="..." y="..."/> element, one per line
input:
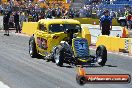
<point x="16" y="21"/>
<point x="106" y="23"/>
<point x="129" y="21"/>
<point x="6" y="23"/>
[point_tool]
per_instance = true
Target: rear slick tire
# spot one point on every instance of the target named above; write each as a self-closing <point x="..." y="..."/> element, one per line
<point x="32" y="48"/>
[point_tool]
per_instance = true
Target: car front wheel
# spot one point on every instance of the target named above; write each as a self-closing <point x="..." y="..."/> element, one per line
<point x="32" y="48"/>
<point x="58" y="55"/>
<point x="101" y="54"/>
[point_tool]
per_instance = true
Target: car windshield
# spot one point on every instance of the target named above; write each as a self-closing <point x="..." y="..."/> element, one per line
<point x="62" y="27"/>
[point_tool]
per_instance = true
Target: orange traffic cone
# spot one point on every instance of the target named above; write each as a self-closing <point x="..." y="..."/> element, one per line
<point x="81" y="71"/>
<point x="124" y="35"/>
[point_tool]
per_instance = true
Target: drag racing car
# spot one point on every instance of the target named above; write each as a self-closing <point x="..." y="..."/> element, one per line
<point x="61" y="41"/>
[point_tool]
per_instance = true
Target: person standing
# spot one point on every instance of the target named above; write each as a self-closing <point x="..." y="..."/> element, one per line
<point x="35" y="16"/>
<point x="126" y="13"/>
<point x="6" y="23"/>
<point x="106" y="23"/>
<point x="129" y="21"/>
<point x="22" y="19"/>
<point x="16" y="21"/>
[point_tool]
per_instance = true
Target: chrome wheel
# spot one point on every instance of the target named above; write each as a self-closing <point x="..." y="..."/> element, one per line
<point x="57" y="56"/>
<point x="31" y="48"/>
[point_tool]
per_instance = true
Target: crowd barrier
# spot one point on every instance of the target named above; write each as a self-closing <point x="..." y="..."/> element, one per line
<point x="130" y="46"/>
<point x="95" y="21"/>
<point x="29" y="27"/>
<point x="97" y="32"/>
<point x="115" y="43"/>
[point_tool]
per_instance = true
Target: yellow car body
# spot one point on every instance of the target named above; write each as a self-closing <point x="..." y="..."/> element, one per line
<point x="45" y="39"/>
<point x="63" y="41"/>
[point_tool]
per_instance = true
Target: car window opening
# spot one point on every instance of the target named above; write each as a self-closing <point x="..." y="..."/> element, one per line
<point x="63" y="27"/>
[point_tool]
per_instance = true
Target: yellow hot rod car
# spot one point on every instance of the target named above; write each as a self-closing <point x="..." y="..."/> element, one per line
<point x="64" y="41"/>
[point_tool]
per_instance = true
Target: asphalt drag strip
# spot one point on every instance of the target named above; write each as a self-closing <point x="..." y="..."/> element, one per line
<point x="19" y="70"/>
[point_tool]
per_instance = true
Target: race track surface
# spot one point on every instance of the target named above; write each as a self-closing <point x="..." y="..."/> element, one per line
<point x="19" y="70"/>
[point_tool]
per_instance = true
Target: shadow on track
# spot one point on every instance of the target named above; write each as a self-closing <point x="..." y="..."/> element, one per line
<point x="97" y="66"/>
<point x="67" y="66"/>
<point x="72" y="66"/>
<point x="110" y="65"/>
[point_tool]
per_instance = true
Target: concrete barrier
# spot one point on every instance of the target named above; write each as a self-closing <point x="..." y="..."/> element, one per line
<point x="94" y="20"/>
<point x="97" y="32"/>
<point x="130" y="44"/>
<point x="104" y="40"/>
<point x="29" y="27"/>
<point x="115" y="43"/>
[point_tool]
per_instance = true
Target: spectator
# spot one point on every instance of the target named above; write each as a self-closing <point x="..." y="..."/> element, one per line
<point x="49" y="14"/>
<point x="111" y="14"/>
<point x="129" y="21"/>
<point x="81" y="12"/>
<point x="53" y="13"/>
<point x="98" y="13"/>
<point x="16" y="21"/>
<point x="35" y="17"/>
<point x="42" y="15"/>
<point x="71" y="13"/>
<point x="126" y="13"/>
<point x="58" y="12"/>
<point x="6" y="23"/>
<point x="106" y="23"/>
<point x="22" y="18"/>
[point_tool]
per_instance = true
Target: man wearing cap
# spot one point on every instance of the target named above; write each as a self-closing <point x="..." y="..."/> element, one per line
<point x="106" y="23"/>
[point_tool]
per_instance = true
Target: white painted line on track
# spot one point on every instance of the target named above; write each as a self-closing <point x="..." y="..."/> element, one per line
<point x="2" y="85"/>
